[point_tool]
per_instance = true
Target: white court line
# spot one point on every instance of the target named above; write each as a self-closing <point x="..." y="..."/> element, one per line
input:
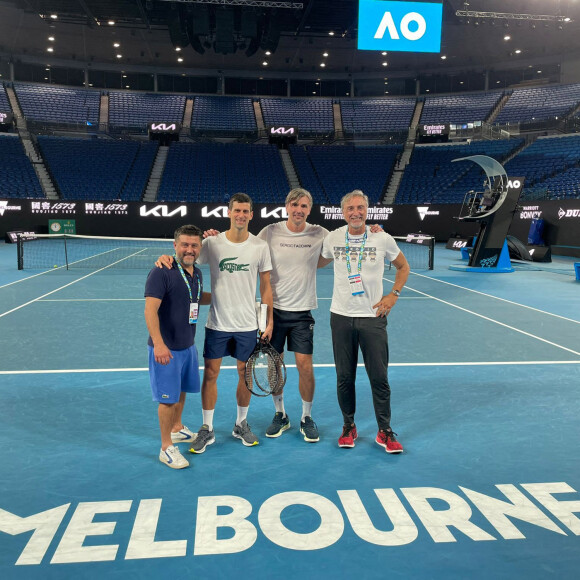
<point x="318" y="365"/>
<point x="496" y="297"/>
<point x="69" y="284"/>
<point x="29" y="277"/>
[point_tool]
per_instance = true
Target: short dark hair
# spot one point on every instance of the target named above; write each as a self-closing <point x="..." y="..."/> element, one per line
<point x="240" y="198"/>
<point x="188" y="230"/>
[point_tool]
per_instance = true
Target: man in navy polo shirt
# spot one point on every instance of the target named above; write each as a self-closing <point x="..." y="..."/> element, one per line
<point x="172" y="300"/>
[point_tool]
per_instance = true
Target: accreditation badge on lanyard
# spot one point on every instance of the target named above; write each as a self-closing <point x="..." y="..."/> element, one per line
<point x="193" y="306"/>
<point x="355" y="280"/>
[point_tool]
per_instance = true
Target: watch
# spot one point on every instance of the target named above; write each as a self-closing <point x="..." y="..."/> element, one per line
<point x="396" y="292"/>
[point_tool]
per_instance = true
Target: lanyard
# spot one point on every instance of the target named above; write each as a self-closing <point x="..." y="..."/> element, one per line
<point x="187" y="283"/>
<point x="360" y="255"/>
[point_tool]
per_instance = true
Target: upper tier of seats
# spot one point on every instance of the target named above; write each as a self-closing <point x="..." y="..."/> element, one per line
<point x="330" y="172"/>
<point x="4" y="102"/>
<point x="17" y="176"/>
<point x="47" y="103"/>
<point x="140" y="109"/>
<point x="368" y="116"/>
<point x="205" y="172"/>
<point x="459" y="108"/>
<point x="311" y="116"/>
<point x="539" y="103"/>
<point x="223" y="114"/>
<point x="98" y="169"/>
<point x="431" y="177"/>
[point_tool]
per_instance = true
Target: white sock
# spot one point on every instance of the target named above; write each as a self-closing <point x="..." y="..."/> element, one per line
<point x="306" y="409"/>
<point x="279" y="404"/>
<point x="208" y="418"/>
<point x="242" y="414"/>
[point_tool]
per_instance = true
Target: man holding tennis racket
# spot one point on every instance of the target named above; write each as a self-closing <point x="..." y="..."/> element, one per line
<point x="172" y="300"/>
<point x="236" y="259"/>
<point x="358" y="314"/>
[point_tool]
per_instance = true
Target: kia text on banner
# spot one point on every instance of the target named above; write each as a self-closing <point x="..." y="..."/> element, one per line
<point x="399" y="26"/>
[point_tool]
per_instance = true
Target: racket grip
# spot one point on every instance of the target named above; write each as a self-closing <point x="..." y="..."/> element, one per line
<point x="263" y="320"/>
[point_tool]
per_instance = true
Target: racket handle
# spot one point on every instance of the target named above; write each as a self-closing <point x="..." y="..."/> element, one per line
<point x="263" y="320"/>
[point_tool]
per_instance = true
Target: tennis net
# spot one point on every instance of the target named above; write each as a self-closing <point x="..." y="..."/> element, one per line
<point x="44" y="251"/>
<point x="69" y="251"/>
<point x="419" y="249"/>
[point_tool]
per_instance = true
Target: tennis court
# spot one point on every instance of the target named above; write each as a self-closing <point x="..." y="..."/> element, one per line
<point x="485" y="375"/>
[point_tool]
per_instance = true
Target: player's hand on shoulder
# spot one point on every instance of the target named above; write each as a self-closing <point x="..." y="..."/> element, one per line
<point x="376" y="228"/>
<point x="210" y="233"/>
<point x="164" y="261"/>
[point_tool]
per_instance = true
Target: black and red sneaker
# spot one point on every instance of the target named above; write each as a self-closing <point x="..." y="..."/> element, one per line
<point x="387" y="440"/>
<point x="348" y="437"/>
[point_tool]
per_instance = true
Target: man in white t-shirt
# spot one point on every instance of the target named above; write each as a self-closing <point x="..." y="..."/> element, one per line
<point x="236" y="259"/>
<point x="358" y="314"/>
<point x="295" y="247"/>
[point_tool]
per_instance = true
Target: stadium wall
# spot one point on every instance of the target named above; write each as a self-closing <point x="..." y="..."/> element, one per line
<point x="159" y="220"/>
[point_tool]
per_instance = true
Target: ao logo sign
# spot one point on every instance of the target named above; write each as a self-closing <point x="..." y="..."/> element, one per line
<point x="399" y="26"/>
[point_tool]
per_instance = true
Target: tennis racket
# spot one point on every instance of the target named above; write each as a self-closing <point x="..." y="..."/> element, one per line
<point x="265" y="369"/>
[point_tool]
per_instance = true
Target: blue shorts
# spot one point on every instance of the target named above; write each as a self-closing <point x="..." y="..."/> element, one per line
<point x="181" y="375"/>
<point x="240" y="345"/>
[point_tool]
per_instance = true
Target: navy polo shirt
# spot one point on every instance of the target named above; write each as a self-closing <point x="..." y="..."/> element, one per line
<point x="169" y="286"/>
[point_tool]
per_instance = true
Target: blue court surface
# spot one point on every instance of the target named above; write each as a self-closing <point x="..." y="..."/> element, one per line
<point x="485" y="376"/>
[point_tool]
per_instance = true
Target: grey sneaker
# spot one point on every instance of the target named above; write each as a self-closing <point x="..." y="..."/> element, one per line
<point x="204" y="438"/>
<point x="172" y="458"/>
<point x="278" y="426"/>
<point x="309" y="429"/>
<point x="244" y="433"/>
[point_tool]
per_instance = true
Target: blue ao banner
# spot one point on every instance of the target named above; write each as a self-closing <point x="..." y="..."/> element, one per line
<point x="399" y="26"/>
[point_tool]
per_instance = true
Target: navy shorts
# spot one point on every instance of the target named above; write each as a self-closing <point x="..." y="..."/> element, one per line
<point x="240" y="345"/>
<point x="295" y="328"/>
<point x="181" y="375"/>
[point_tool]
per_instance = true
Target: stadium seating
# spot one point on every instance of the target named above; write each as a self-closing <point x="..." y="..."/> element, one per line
<point x="4" y="103"/>
<point x="340" y="169"/>
<point x="17" y="176"/>
<point x="206" y="172"/>
<point x="311" y="116"/>
<point x="98" y="169"/>
<point x="459" y="109"/>
<point x="539" y="103"/>
<point x="376" y="116"/>
<point x="223" y="115"/>
<point x="137" y="110"/>
<point x="58" y="105"/>
<point x="431" y="177"/>
<point x="548" y="164"/>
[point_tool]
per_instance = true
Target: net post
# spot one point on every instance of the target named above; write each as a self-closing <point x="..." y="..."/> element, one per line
<point x="65" y="252"/>
<point x="19" y="252"/>
<point x="431" y="253"/>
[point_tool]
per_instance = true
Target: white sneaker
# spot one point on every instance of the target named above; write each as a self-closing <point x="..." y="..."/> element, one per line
<point x="173" y="458"/>
<point x="184" y="435"/>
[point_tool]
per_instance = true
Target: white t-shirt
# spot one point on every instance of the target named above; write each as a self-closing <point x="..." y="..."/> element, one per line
<point x="234" y="274"/>
<point x="294" y="260"/>
<point x="377" y="247"/>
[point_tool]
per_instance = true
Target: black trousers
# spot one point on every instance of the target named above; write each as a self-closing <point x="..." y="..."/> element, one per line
<point x="370" y="334"/>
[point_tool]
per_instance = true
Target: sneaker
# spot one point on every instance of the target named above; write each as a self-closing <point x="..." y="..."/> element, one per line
<point x="184" y="435"/>
<point x="203" y="438"/>
<point x="278" y="426"/>
<point x="348" y="437"/>
<point x="173" y="458"/>
<point x="309" y="429"/>
<point x="244" y="433"/>
<point x="387" y="440"/>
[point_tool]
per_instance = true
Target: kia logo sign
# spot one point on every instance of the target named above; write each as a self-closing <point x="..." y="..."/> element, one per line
<point x="282" y="130"/>
<point x="164" y="127"/>
<point x="162" y="211"/>
<point x="399" y="26"/>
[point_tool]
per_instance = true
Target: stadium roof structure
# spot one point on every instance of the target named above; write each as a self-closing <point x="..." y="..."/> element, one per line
<point x="234" y="35"/>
